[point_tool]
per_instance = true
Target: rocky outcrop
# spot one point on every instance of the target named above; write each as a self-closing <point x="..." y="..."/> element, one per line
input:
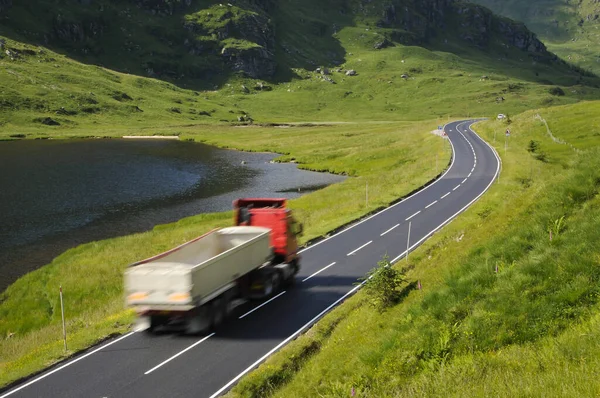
<point x="245" y="39"/>
<point x="77" y="31"/>
<point x="479" y="25"/>
<point x="5" y="5"/>
<point x="472" y="23"/>
<point x="253" y="62"/>
<point x="163" y="7"/>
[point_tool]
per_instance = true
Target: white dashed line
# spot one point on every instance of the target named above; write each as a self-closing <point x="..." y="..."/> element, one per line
<point x="445" y="195"/>
<point x="179" y="353"/>
<point x="390" y="230"/>
<point x="456" y="187"/>
<point x="431" y="204"/>
<point x="319" y="271"/>
<point x="471" y="173"/>
<point x="65" y="365"/>
<point x="260" y="306"/>
<point x="413" y="215"/>
<point x="363" y="246"/>
<point x="465" y="180"/>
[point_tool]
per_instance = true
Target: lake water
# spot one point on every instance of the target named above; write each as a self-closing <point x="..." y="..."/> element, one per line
<point x="55" y="195"/>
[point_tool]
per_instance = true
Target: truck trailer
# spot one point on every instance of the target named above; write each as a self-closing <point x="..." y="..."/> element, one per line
<point x="195" y="284"/>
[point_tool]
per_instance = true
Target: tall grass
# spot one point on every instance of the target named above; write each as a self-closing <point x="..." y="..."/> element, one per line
<point x="497" y="286"/>
<point x="393" y="158"/>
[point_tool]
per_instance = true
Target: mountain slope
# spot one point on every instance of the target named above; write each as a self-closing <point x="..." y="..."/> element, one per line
<point x="99" y="67"/>
<point x="571" y="29"/>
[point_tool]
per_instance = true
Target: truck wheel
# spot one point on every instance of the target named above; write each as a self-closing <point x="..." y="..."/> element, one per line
<point x="272" y="284"/>
<point x="218" y="310"/>
<point x="155" y="321"/>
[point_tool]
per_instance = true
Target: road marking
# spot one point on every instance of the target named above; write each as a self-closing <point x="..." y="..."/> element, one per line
<point x="473" y="169"/>
<point x="413" y="215"/>
<point x="262" y="305"/>
<point x="390" y="230"/>
<point x="431" y="204"/>
<point x="498" y="160"/>
<point x="319" y="271"/>
<point x="179" y="353"/>
<point x="445" y="195"/>
<point x="456" y="187"/>
<point x="284" y="342"/>
<point x="65" y="365"/>
<point x="391" y="207"/>
<point x="326" y="310"/>
<point x="470" y="174"/>
<point x="465" y="180"/>
<point x="365" y="245"/>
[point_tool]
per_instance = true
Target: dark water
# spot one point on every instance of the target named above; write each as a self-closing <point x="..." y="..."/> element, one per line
<point x="55" y="195"/>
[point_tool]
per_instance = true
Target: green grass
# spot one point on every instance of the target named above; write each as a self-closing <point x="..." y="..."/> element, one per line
<point x="384" y="143"/>
<point x="393" y="159"/>
<point x="529" y="329"/>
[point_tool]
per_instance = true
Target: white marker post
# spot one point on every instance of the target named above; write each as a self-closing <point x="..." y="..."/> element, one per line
<point x="62" y="310"/>
<point x="408" y="240"/>
<point x="366" y="194"/>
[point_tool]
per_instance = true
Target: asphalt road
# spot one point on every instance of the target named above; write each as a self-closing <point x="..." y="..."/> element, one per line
<point x="171" y="365"/>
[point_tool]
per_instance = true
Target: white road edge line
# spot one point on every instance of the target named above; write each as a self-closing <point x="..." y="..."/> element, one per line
<point x="319" y="271"/>
<point x="413" y="215"/>
<point x="284" y="342"/>
<point x="390" y="207"/>
<point x="499" y="161"/>
<point x="445" y="195"/>
<point x="354" y="251"/>
<point x="312" y="321"/>
<point x="431" y="204"/>
<point x="390" y="230"/>
<point x="65" y="365"/>
<point x="179" y="353"/>
<point x="456" y="187"/>
<point x="262" y="305"/>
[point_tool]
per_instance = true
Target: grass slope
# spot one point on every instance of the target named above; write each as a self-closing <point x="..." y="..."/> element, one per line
<point x="386" y="144"/>
<point x="46" y="93"/>
<point x="504" y="309"/>
<point x="571" y="29"/>
<point x="393" y="159"/>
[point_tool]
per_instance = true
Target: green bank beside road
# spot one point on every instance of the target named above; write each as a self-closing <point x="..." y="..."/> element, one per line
<point x="509" y="298"/>
<point x="391" y="159"/>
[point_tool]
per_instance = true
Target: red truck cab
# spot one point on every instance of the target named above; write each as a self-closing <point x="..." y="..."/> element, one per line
<point x="272" y="214"/>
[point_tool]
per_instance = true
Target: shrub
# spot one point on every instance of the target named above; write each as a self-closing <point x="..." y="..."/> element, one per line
<point x="382" y="285"/>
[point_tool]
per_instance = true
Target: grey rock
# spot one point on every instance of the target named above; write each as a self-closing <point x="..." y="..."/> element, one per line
<point x="351" y="72"/>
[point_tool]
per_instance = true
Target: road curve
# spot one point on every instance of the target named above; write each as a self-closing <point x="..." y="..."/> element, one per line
<point x="170" y="365"/>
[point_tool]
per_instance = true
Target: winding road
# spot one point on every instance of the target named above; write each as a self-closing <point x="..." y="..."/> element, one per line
<point x="171" y="365"/>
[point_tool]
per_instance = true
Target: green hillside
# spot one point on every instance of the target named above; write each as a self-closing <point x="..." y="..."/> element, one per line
<point x="510" y="299"/>
<point x="570" y="29"/>
<point x="99" y="68"/>
<point x="361" y="84"/>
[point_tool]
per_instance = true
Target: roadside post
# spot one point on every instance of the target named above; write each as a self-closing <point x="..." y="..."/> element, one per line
<point x="62" y="311"/>
<point x="408" y="241"/>
<point x="366" y="194"/>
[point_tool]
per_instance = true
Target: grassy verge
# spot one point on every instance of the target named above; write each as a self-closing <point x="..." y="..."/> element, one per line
<point x="504" y="309"/>
<point x="393" y="158"/>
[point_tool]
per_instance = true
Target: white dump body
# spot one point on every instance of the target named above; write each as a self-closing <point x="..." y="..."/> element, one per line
<point x="197" y="271"/>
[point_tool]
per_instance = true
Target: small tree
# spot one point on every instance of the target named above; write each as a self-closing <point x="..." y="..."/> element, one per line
<point x="382" y="285"/>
